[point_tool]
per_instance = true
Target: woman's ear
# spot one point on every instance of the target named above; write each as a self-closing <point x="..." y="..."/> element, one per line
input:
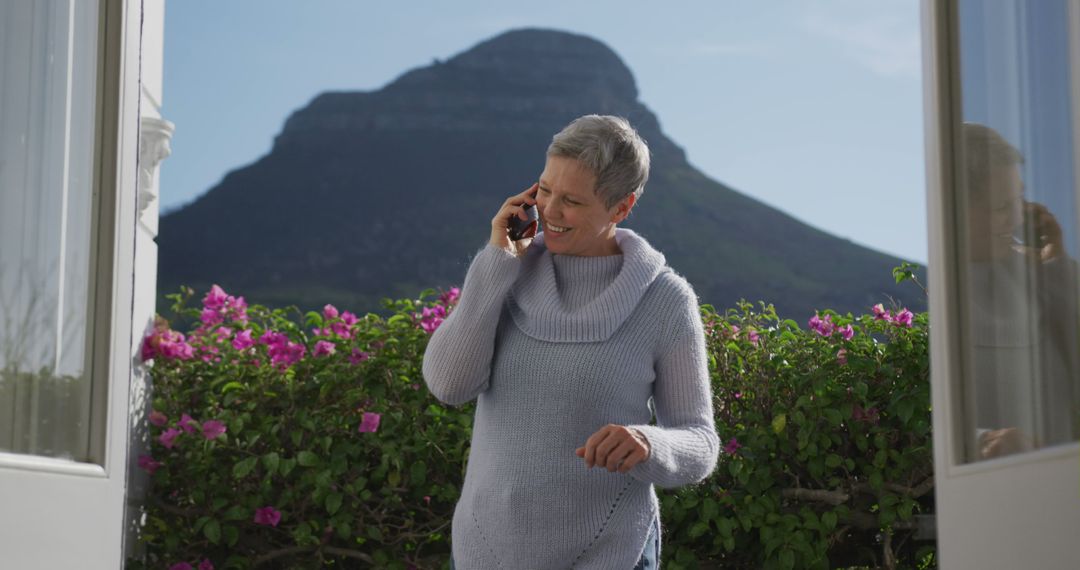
<point x="623" y="208"/>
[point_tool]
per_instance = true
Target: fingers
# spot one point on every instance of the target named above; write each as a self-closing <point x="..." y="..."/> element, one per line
<point x="590" y="446"/>
<point x="515" y="206"/>
<point x="625" y="456"/>
<point x="613" y="447"/>
<point x="526" y="197"/>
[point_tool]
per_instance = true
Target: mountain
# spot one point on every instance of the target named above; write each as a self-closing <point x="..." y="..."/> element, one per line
<point x="366" y="195"/>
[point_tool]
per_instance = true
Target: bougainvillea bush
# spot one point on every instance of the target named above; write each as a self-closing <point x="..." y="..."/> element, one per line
<point x="289" y="440"/>
<point x="826" y="431"/>
<point x="283" y="440"/>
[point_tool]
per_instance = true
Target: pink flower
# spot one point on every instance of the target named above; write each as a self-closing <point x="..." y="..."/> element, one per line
<point x="210" y="317"/>
<point x="450" y="297"/>
<point x="903" y="318"/>
<point x="212" y="429"/>
<point x="341" y="329"/>
<point x="348" y="318"/>
<point x="206" y="565"/>
<point x="427" y="499"/>
<point x="243" y="340"/>
<point x="188" y="424"/>
<point x="238" y="307"/>
<point x="324" y="348"/>
<point x="270" y="338"/>
<point x="869" y="415"/>
<point x="847" y="332"/>
<point x="823" y="327"/>
<point x="358" y="356"/>
<point x="215" y="298"/>
<point x="370" y="423"/>
<point x="330" y="312"/>
<point x="753" y="336"/>
<point x="148" y="464"/>
<point x="166" y="344"/>
<point x="157" y="418"/>
<point x="168" y="439"/>
<point x="732" y="446"/>
<point x="268" y="516"/>
<point x="841" y="356"/>
<point x="880" y="314"/>
<point x="180" y="566"/>
<point x="284" y="353"/>
<point x="431" y="318"/>
<point x="737" y="395"/>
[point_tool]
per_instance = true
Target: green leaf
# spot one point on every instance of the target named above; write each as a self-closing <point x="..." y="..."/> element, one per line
<point x="212" y="531"/>
<point x="307" y="459"/>
<point x="833" y="461"/>
<point x="418" y="472"/>
<point x="271" y="461"/>
<point x="699" y="529"/>
<point x="231" y="386"/>
<point x="287" y="465"/>
<point x="904" y="409"/>
<point x="231" y="535"/>
<point x="710" y="509"/>
<point x="779" y="423"/>
<point x="829" y="519"/>
<point x="333" y="503"/>
<point x="787" y="559"/>
<point x="244" y="467"/>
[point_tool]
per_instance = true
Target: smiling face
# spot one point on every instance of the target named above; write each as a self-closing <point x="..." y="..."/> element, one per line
<point x="995" y="212"/>
<point x="567" y="200"/>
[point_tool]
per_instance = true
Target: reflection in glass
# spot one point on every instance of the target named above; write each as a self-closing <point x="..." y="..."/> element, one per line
<point x="47" y="113"/>
<point x="1017" y="226"/>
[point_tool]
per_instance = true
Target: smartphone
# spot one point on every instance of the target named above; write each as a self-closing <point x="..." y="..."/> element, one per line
<point x="1031" y="232"/>
<point x="518" y="226"/>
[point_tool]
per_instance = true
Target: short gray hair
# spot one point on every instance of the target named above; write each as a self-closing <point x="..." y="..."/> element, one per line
<point x="611" y="149"/>
<point x="984" y="149"/>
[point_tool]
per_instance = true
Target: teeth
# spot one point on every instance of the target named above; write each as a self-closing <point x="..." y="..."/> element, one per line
<point x="557" y="229"/>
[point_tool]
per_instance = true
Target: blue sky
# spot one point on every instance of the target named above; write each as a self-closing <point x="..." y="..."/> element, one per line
<point x="814" y="108"/>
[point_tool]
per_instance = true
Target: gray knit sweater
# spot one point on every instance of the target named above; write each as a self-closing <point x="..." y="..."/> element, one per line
<point x="555" y="347"/>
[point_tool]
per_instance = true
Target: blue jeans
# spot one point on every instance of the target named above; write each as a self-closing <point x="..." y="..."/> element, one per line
<point x="650" y="559"/>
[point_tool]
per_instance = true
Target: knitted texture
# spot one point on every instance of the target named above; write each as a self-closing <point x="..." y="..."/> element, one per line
<point x="555" y="347"/>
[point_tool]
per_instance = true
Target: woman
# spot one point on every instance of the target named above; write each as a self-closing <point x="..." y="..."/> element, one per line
<point x="565" y="337"/>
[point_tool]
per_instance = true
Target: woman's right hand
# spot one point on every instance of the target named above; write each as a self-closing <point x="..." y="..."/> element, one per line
<point x="500" y="224"/>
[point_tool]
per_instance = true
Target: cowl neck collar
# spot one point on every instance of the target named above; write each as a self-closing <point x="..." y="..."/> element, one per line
<point x="538" y="310"/>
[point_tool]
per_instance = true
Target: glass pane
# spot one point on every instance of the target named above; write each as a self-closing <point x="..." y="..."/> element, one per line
<point x="1017" y="226"/>
<point x="48" y="52"/>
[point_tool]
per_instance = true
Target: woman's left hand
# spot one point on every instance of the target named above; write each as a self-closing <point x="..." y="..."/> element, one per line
<point x="613" y="444"/>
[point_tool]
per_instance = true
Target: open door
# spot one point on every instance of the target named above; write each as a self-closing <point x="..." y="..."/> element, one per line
<point x="69" y="130"/>
<point x="1002" y="85"/>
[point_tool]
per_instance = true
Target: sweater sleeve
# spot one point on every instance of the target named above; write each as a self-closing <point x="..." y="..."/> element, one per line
<point x="683" y="445"/>
<point x="457" y="360"/>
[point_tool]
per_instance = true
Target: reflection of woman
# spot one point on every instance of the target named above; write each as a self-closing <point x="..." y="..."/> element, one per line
<point x="1023" y="318"/>
<point x="565" y="337"/>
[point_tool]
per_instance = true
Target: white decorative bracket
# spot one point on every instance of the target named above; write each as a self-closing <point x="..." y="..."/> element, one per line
<point x="154" y="138"/>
